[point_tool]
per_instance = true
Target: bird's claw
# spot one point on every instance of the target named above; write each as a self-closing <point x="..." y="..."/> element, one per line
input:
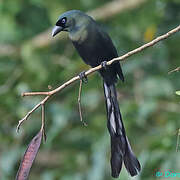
<point x="104" y="65"/>
<point x="83" y="77"/>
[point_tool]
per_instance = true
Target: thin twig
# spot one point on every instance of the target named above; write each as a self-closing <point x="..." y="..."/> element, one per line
<point x="177" y="144"/>
<point x="79" y="103"/>
<point x="92" y="70"/>
<point x="43" y="121"/>
<point x="174" y="70"/>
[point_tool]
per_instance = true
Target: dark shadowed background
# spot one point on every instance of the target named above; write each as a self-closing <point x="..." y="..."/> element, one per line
<point x="30" y="60"/>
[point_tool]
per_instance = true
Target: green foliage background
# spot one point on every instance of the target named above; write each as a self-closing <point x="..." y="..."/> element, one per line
<point x="147" y="99"/>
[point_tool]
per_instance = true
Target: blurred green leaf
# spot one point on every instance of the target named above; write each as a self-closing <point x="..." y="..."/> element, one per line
<point x="178" y="93"/>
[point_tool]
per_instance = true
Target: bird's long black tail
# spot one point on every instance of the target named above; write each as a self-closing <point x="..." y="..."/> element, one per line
<point x="120" y="148"/>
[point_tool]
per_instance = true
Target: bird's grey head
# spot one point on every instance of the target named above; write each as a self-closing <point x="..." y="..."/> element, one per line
<point x="71" y="21"/>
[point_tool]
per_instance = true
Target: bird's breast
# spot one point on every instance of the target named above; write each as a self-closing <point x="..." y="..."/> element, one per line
<point x="86" y="51"/>
<point x="79" y="36"/>
<point x="91" y="46"/>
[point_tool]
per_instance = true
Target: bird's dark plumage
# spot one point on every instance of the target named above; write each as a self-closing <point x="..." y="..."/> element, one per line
<point x="95" y="46"/>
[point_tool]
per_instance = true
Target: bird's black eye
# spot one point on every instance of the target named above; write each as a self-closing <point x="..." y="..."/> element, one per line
<point x="61" y="22"/>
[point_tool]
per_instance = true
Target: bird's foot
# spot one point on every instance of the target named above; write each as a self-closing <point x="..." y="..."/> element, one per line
<point x="104" y="65"/>
<point x="83" y="77"/>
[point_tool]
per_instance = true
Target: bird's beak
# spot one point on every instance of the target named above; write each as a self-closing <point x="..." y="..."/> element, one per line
<point x="56" y="30"/>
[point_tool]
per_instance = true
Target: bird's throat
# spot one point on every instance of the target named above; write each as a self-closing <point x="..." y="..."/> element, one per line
<point x="79" y="35"/>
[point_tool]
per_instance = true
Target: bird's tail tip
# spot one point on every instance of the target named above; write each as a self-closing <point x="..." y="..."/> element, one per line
<point x="116" y="165"/>
<point x="131" y="162"/>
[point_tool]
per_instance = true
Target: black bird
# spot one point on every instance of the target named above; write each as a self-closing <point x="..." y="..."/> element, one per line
<point x="95" y="47"/>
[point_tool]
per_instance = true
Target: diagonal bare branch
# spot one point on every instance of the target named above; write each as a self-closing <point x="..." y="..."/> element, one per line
<point x="92" y="70"/>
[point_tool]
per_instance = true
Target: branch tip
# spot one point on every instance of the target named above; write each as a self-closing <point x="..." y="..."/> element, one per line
<point x="20" y="123"/>
<point x="174" y="70"/>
